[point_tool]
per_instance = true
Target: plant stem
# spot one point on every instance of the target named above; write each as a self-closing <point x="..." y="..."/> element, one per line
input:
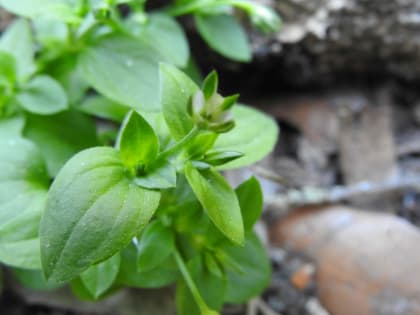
<point x="181" y="144"/>
<point x="204" y="309"/>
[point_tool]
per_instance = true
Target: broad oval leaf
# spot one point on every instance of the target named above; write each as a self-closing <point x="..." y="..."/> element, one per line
<point x="23" y="175"/>
<point x="21" y="254"/>
<point x="225" y="35"/>
<point x="255" y="272"/>
<point x="18" y="41"/>
<point x="103" y="107"/>
<point x="255" y="135"/>
<point x="218" y="200"/>
<point x="137" y="142"/>
<point x="93" y="210"/>
<point x="60" y="136"/>
<point x="155" y="245"/>
<point x="124" y="70"/>
<point x="100" y="277"/>
<point x="165" y="34"/>
<point x="176" y="90"/>
<point x="43" y="95"/>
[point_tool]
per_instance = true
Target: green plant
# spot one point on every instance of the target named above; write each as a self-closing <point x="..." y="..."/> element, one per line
<point x="97" y="103"/>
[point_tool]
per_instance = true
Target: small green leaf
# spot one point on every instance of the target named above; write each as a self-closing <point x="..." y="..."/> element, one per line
<point x="163" y="275"/>
<point x="221" y="157"/>
<point x="255" y="270"/>
<point x="210" y="85"/>
<point x="255" y="135"/>
<point x="137" y="142"/>
<point x="60" y="136"/>
<point x="165" y="34"/>
<point x="250" y="198"/>
<point x="176" y="92"/>
<point x="21" y="254"/>
<point x="93" y="210"/>
<point x="43" y="95"/>
<point x="124" y="70"/>
<point x="225" y="35"/>
<point x="211" y="288"/>
<point x="99" y="278"/>
<point x="218" y="200"/>
<point x="103" y="107"/>
<point x="155" y="245"/>
<point x="201" y="144"/>
<point x="7" y="67"/>
<point x="18" y="41"/>
<point x="159" y="175"/>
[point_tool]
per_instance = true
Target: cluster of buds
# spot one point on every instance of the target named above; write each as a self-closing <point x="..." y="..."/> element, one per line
<point x="210" y="110"/>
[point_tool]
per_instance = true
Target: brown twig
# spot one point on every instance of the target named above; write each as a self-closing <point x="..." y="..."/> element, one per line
<point x="308" y="196"/>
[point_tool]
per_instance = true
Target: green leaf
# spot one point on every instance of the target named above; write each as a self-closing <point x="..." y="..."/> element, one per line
<point x="43" y="95"/>
<point x="221" y="157"/>
<point x="218" y="200"/>
<point x="155" y="245"/>
<point x="93" y="210"/>
<point x="211" y="288"/>
<point x="163" y="275"/>
<point x="21" y="254"/>
<point x="160" y="175"/>
<point x="99" y="278"/>
<point x="33" y="279"/>
<point x="165" y="34"/>
<point x="23" y="175"/>
<point x="225" y="35"/>
<point x="7" y="67"/>
<point x="60" y="136"/>
<point x="176" y="90"/>
<point x="124" y="70"/>
<point x="137" y="142"/>
<point x="18" y="41"/>
<point x="254" y="135"/>
<point x="250" y="198"/>
<point x="103" y="107"/>
<point x="65" y="70"/>
<point x="255" y="270"/>
<point x="60" y="9"/>
<point x="210" y="85"/>
<point x="11" y="127"/>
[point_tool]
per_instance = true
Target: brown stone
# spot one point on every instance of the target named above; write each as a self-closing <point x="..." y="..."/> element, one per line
<point x="367" y="263"/>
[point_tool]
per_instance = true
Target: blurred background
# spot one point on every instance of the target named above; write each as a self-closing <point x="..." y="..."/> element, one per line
<point x="342" y="214"/>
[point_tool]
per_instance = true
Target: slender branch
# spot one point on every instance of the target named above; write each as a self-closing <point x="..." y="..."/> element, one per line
<point x="191" y="285"/>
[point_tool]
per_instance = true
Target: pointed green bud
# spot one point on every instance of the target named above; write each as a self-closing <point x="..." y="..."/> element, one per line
<point x="229" y="101"/>
<point x="210" y="85"/>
